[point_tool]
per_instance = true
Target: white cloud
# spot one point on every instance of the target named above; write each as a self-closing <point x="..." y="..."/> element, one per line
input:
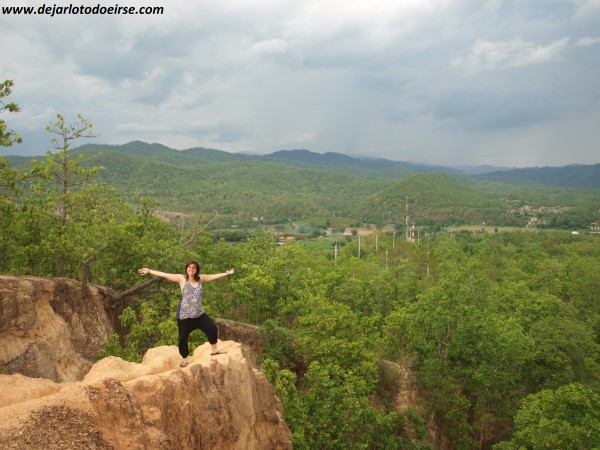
<point x="268" y="46"/>
<point x="587" y="41"/>
<point x="515" y="52"/>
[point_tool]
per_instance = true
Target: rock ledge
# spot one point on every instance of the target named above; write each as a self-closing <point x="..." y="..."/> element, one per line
<point x="216" y="402"/>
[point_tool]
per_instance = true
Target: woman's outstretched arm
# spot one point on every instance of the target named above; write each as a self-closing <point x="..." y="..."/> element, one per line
<point x="206" y="278"/>
<point x="174" y="277"/>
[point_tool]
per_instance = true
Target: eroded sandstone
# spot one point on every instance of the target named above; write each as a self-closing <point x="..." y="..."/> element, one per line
<point x="216" y="402"/>
<point x="48" y="329"/>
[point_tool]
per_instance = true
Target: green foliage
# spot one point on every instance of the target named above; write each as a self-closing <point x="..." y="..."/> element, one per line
<point x="480" y="342"/>
<point x="10" y="180"/>
<point x="332" y="332"/>
<point x="7" y="137"/>
<point x="278" y="343"/>
<point x="112" y="347"/>
<point x="148" y="324"/>
<point x="583" y="284"/>
<point x="295" y="413"/>
<point x="460" y="340"/>
<point x="568" y="418"/>
<point x="565" y="351"/>
<point x="141" y="336"/>
<point x="337" y="404"/>
<point x="254" y="289"/>
<point x="334" y="412"/>
<point x="57" y="177"/>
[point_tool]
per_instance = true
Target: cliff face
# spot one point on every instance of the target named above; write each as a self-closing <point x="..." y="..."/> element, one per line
<point x="47" y="329"/>
<point x="216" y="402"/>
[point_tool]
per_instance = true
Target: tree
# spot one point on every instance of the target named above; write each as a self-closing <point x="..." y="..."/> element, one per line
<point x="568" y="417"/>
<point x="333" y="332"/>
<point x="295" y="416"/>
<point x="565" y="352"/>
<point x="337" y="403"/>
<point x="7" y="137"/>
<point x="9" y="182"/>
<point x="60" y="174"/>
<point x="254" y="289"/>
<point x="584" y="284"/>
<point x="278" y="343"/>
<point x="99" y="222"/>
<point x="470" y="357"/>
<point x="9" y="178"/>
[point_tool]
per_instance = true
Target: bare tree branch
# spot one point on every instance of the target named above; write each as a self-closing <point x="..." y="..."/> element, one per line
<point x="195" y="235"/>
<point x="138" y="288"/>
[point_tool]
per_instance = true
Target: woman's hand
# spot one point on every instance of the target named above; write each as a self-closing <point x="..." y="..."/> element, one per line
<point x="230" y="272"/>
<point x="143" y="271"/>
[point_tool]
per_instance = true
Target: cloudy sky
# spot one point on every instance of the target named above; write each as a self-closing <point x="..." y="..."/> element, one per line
<point x="502" y="82"/>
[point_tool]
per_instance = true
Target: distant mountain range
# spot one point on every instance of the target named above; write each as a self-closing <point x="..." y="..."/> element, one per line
<point x="571" y="176"/>
<point x="300" y="183"/>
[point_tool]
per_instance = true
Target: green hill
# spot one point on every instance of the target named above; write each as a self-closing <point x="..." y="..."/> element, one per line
<point x="434" y="198"/>
<point x="301" y="184"/>
<point x="450" y="199"/>
<point x="197" y="180"/>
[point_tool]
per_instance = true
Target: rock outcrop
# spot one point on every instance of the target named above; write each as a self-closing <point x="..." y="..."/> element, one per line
<point x="216" y="402"/>
<point x="54" y="396"/>
<point x="245" y="333"/>
<point x="48" y="329"/>
<point x="398" y="385"/>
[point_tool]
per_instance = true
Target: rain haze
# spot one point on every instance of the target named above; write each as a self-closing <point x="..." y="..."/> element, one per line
<point x="452" y="82"/>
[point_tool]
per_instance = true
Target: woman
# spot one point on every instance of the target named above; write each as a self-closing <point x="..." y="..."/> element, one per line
<point x="190" y="314"/>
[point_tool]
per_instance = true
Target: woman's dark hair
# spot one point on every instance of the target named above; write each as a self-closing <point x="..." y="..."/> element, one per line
<point x="188" y="264"/>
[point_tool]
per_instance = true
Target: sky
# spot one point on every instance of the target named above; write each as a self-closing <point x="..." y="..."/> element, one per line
<point x="451" y="82"/>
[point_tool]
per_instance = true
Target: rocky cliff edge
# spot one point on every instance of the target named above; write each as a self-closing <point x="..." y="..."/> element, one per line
<point x="53" y="395"/>
<point x="216" y="402"/>
<point x="49" y="329"/>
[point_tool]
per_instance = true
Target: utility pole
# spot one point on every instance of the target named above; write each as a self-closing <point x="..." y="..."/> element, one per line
<point x="407" y="226"/>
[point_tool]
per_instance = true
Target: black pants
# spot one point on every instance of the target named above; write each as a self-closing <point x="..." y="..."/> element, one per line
<point x="186" y="326"/>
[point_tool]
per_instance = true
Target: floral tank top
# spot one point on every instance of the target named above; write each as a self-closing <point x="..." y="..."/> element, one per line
<point x="190" y="303"/>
